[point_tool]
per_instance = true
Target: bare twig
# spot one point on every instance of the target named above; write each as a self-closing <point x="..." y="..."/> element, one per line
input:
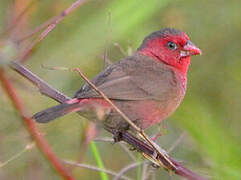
<point x="149" y="173"/>
<point x="51" y="20"/>
<point x="104" y="139"/>
<point x="36" y="30"/>
<point x="44" y="88"/>
<point x="15" y="22"/>
<point x="26" y="148"/>
<point x="107" y="61"/>
<point x="147" y="149"/>
<point x="32" y="128"/>
<point x="144" y="171"/>
<point x="126" y="169"/>
<point x="127" y="137"/>
<point x="50" y="27"/>
<point x="127" y="150"/>
<point x="94" y="168"/>
<point x="108" y="37"/>
<point x="122" y="145"/>
<point x="120" y="49"/>
<point x="177" y="142"/>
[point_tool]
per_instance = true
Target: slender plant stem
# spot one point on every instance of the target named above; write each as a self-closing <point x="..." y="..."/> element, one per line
<point x="120" y="48"/>
<point x="144" y="171"/>
<point x="176" y="143"/>
<point x="32" y="128"/>
<point x="44" y="88"/>
<point x="95" y="169"/>
<point x="139" y="168"/>
<point x="128" y="152"/>
<point x="50" y="27"/>
<point x="26" y="148"/>
<point x="15" y="22"/>
<point x="126" y="169"/>
<point x="122" y="145"/>
<point x="99" y="162"/>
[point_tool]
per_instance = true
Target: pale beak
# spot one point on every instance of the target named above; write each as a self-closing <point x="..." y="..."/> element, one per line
<point x="190" y="49"/>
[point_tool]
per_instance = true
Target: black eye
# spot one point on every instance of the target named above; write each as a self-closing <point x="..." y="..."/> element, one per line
<point x="171" y="45"/>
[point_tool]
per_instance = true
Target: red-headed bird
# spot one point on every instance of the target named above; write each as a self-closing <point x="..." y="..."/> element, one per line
<point x="147" y="86"/>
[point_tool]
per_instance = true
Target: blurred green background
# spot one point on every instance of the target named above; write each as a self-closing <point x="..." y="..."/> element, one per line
<point x="209" y="117"/>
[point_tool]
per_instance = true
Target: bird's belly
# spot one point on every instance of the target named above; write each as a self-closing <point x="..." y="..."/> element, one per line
<point x="153" y="112"/>
<point x="143" y="113"/>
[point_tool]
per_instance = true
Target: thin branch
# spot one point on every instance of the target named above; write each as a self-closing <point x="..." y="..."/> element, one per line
<point x="36" y="30"/>
<point x="149" y="173"/>
<point x="126" y="169"/>
<point x="104" y="139"/>
<point x="144" y="171"/>
<point x="177" y="142"/>
<point x="108" y="37"/>
<point x="122" y="145"/>
<point x="127" y="150"/>
<point x="54" y="21"/>
<point x="107" y="61"/>
<point x="94" y="168"/>
<point x="26" y="148"/>
<point x="127" y="137"/>
<point x="48" y="22"/>
<point x="15" y="22"/>
<point x="32" y="128"/>
<point x="44" y="88"/>
<point x="120" y="48"/>
<point x="147" y="149"/>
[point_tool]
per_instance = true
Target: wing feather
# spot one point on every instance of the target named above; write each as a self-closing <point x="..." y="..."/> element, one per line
<point x="134" y="78"/>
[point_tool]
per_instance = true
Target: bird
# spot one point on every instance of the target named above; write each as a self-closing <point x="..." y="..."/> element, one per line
<point x="147" y="86"/>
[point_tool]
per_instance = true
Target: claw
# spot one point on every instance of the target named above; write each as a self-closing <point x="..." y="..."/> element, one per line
<point x="117" y="136"/>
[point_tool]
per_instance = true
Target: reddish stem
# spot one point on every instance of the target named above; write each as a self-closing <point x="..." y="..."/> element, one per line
<point x="32" y="128"/>
<point x="50" y="26"/>
<point x="18" y="19"/>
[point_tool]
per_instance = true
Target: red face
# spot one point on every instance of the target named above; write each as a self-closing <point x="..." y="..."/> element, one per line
<point x="172" y="49"/>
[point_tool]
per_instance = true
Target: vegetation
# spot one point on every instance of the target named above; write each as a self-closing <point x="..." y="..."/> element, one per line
<point x="206" y="125"/>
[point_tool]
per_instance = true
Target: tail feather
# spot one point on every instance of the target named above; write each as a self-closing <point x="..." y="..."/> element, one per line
<point x="55" y="112"/>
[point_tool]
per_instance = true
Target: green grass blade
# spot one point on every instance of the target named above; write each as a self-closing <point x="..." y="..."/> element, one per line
<point x="99" y="162"/>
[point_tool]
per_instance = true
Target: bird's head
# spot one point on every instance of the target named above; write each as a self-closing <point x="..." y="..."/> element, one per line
<point x="171" y="46"/>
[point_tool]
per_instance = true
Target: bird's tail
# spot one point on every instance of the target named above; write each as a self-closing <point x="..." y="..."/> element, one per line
<point x="57" y="111"/>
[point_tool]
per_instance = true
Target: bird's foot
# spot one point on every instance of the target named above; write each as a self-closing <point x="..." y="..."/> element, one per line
<point x="117" y="136"/>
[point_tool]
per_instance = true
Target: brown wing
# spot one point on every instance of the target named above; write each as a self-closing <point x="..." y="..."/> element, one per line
<point x="134" y="78"/>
